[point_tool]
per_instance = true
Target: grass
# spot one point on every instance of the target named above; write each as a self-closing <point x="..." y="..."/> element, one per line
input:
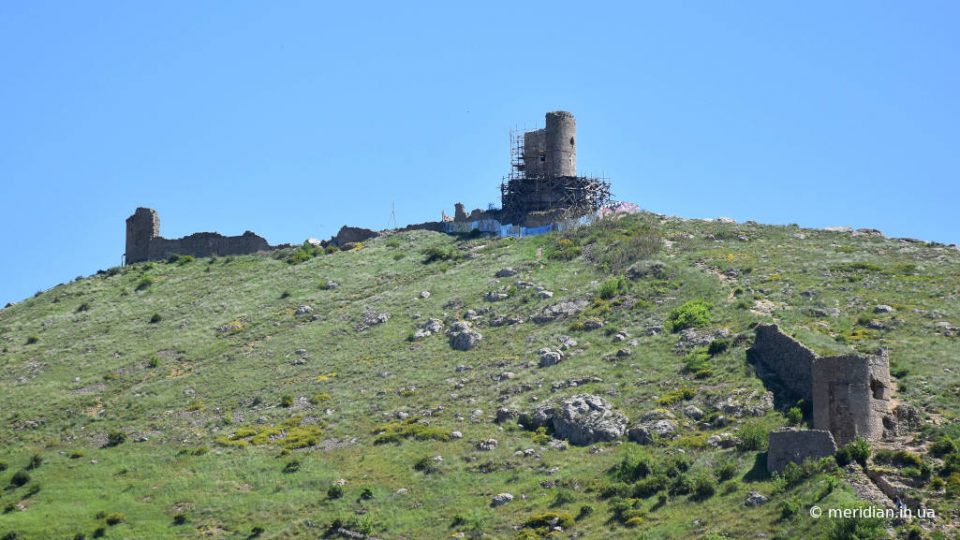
<point x="102" y="374"/>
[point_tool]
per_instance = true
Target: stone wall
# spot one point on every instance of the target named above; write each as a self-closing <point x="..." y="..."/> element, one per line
<point x="792" y="445"/>
<point x="144" y="242"/>
<point x="851" y="396"/>
<point x="207" y="244"/>
<point x="783" y="360"/>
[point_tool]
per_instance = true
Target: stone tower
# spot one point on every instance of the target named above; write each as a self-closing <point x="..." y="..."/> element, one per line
<point x="560" y="141"/>
<point x="142" y="227"/>
<point x="551" y="152"/>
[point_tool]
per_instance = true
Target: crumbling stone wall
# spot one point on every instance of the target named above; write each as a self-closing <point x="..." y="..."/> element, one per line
<point x="349" y="234"/>
<point x="792" y="445"/>
<point x="780" y="357"/>
<point x="850" y="394"/>
<point x="144" y="242"/>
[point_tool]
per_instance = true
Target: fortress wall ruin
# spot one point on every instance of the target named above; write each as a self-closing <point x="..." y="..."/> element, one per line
<point x="850" y="393"/>
<point x="144" y="242"/>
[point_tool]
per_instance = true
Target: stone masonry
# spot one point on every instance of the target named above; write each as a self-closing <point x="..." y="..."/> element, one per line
<point x="792" y="445"/>
<point x="144" y="242"/>
<point x="850" y="394"/>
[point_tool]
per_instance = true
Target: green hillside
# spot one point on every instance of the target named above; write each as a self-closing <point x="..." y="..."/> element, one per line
<point x="189" y="398"/>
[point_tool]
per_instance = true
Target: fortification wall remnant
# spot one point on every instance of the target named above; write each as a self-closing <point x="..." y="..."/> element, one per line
<point x="851" y="396"/>
<point x="792" y="445"/>
<point x="144" y="242"/>
<point x="780" y="357"/>
<point x="850" y="393"/>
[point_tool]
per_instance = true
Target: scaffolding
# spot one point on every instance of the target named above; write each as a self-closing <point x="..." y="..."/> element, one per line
<point x="563" y="197"/>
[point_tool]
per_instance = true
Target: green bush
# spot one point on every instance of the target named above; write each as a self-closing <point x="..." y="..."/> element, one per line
<point x="753" y="437"/>
<point x="286" y="401"/>
<point x="291" y="467"/>
<point x="585" y="512"/>
<point x="180" y="259"/>
<point x="441" y="253"/>
<point x="155" y="318"/>
<point x="115" y="518"/>
<point x="394" y="432"/>
<point x="684" y="393"/>
<point x="154" y="362"/>
<point x="334" y="492"/>
<point x="115" y="438"/>
<point x="794" y="416"/>
<point x="943" y="446"/>
<point x="789" y="508"/>
<point x="32" y="339"/>
<point x="549" y="519"/>
<point x="726" y="470"/>
<point x="858" y="450"/>
<point x="612" y="287"/>
<point x="690" y="314"/>
<point x="703" y="486"/>
<point x="634" y="466"/>
<point x="19" y="478"/>
<point x="305" y="252"/>
<point x="144" y="283"/>
<point x="35" y="461"/>
<point x="426" y="465"/>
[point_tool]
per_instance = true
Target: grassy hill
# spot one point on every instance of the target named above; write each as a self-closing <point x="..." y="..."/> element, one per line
<point x="189" y="398"/>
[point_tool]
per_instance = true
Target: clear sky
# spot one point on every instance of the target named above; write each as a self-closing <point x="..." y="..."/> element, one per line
<point x="294" y="118"/>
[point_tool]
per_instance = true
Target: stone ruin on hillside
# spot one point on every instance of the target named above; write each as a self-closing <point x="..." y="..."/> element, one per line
<point x="144" y="242"/>
<point x="850" y="395"/>
<point x="543" y="185"/>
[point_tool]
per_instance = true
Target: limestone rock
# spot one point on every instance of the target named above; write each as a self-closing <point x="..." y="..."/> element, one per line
<point x="755" y="498"/>
<point x="549" y="357"/>
<point x="463" y="337"/>
<point x="501" y="499"/>
<point x="585" y="419"/>
<point x="562" y="310"/>
<point x="506" y="272"/>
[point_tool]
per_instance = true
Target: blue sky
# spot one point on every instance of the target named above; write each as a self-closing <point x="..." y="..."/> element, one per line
<point x="294" y="118"/>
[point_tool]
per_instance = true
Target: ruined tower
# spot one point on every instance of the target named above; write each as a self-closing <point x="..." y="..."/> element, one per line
<point x="543" y="186"/>
<point x="851" y="396"/>
<point x="142" y="227"/>
<point x="560" y="141"/>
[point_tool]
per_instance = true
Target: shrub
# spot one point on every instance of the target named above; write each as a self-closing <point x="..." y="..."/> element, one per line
<point x="703" y="486"/>
<point x="3" y="466"/>
<point x="35" y="461"/>
<point x="99" y="532"/>
<point x="585" y="512"/>
<point x="753" y="436"/>
<point x="540" y="436"/>
<point x="683" y="393"/>
<point x="180" y="259"/>
<point x="19" y="478"/>
<point x="563" y="497"/>
<point x="859" y="528"/>
<point x="611" y="288"/>
<point x="286" y="400"/>
<point x="179" y="519"/>
<point x="291" y="467"/>
<point x="789" y="508"/>
<point x="32" y="339"/>
<point x="335" y="492"/>
<point x="155" y="318"/>
<point x="794" y="416"/>
<point x="115" y="438"/>
<point x="115" y="518"/>
<point x="366" y="494"/>
<point x="441" y="253"/>
<point x="943" y="446"/>
<point x="83" y="307"/>
<point x="718" y="346"/>
<point x="549" y="520"/>
<point x="393" y="243"/>
<point x="394" y="432"/>
<point x="154" y="362"/>
<point x="305" y="252"/>
<point x="858" y="450"/>
<point x="319" y="398"/>
<point x="899" y="458"/>
<point x="688" y="315"/>
<point x="257" y="531"/>
<point x="144" y="283"/>
<point x="633" y="467"/>
<point x="726" y="470"/>
<point x="426" y="465"/>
